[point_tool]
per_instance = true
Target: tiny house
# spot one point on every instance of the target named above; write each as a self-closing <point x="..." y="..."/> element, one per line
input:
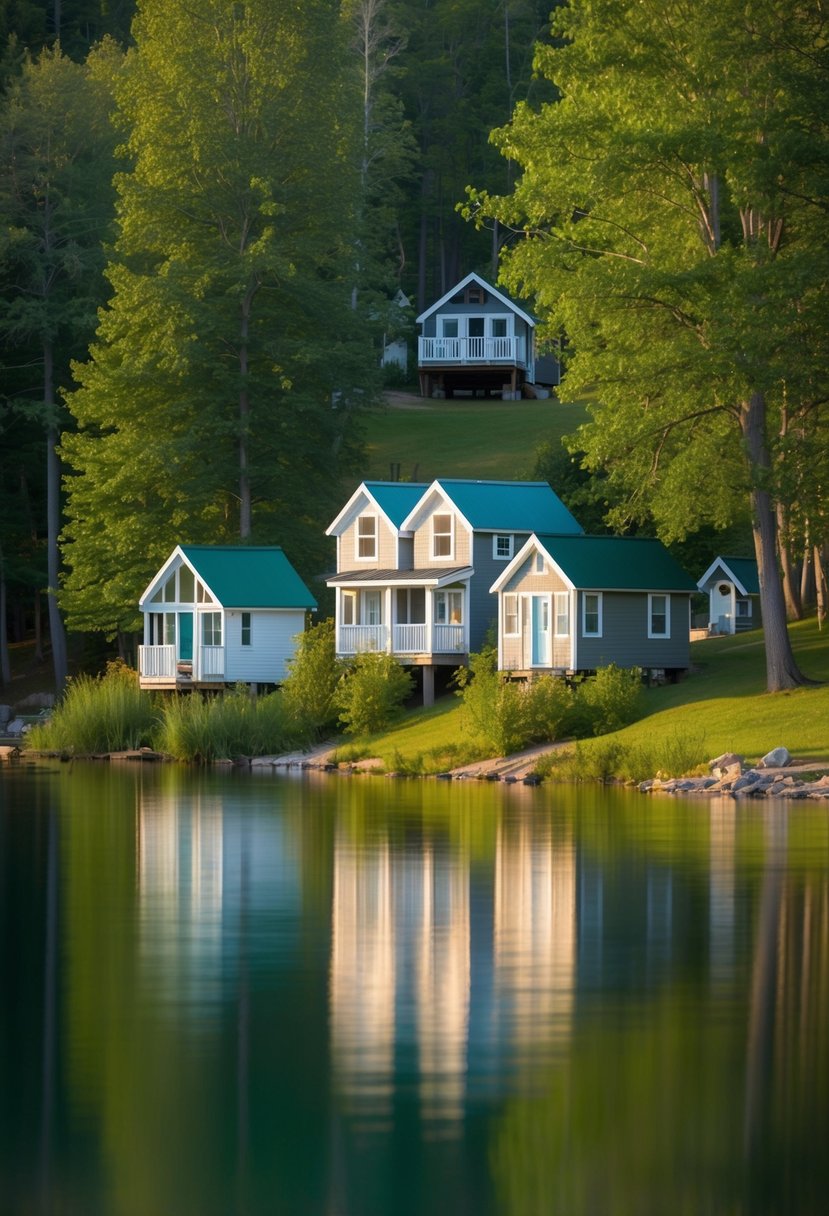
<point x="221" y="614"/>
<point x="733" y="589"/>
<point x="570" y="604"/>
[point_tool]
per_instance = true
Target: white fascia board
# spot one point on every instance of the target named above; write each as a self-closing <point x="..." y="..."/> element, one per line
<point x="720" y="563"/>
<point x="472" y="277"/>
<point x="533" y="545"/>
<point x="160" y="577"/>
<point x="410" y="523"/>
<point x="351" y="509"/>
<point x="405" y="580"/>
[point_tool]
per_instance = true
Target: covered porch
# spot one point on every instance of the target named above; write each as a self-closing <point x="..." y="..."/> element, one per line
<point x="182" y="649"/>
<point x="419" y="616"/>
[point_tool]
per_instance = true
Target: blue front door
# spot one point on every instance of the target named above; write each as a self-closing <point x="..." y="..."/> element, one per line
<point x="541" y="630"/>
<point x="185" y="636"/>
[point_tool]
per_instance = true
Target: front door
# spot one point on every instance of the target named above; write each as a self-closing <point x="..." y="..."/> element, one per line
<point x="540" y="631"/>
<point x="185" y="637"/>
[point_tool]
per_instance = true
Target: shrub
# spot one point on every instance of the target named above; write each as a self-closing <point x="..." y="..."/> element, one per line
<point x="549" y="706"/>
<point x="210" y="728"/>
<point x="313" y="675"/>
<point x="607" y="701"/>
<point x="107" y="713"/>
<point x="506" y="715"/>
<point x="371" y="693"/>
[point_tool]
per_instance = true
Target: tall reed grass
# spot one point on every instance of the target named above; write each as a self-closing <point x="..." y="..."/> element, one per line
<point x="107" y="713"/>
<point x="222" y="727"/>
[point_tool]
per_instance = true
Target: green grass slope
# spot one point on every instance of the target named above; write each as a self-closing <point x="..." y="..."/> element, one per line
<point x="721" y="706"/>
<point x="491" y="440"/>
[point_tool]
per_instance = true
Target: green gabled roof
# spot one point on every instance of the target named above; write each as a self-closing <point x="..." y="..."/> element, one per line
<point x="617" y="563"/>
<point x="744" y="570"/>
<point x="242" y="576"/>
<point x="396" y="498"/>
<point x="510" y="506"/>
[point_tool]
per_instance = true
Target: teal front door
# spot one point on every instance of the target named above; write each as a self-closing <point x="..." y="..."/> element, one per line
<point x="540" y="630"/>
<point x="185" y="637"/>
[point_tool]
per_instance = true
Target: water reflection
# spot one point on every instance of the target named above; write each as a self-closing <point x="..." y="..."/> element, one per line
<point x="371" y="998"/>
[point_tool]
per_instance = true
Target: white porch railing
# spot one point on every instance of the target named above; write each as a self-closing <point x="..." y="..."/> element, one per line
<point x="448" y="639"/>
<point x="354" y="639"/>
<point x="410" y="639"/>
<point x="210" y="663"/>
<point x="472" y="350"/>
<point x="157" y="662"/>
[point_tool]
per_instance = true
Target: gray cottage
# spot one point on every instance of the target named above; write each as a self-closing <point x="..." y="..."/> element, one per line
<point x="475" y="337"/>
<point x="571" y="604"/>
<point x="733" y="589"/>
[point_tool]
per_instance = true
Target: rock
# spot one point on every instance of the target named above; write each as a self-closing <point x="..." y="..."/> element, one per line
<point x="5" y="715"/>
<point x="779" y="757"/>
<point x="532" y="779"/>
<point x="15" y="728"/>
<point x="725" y="761"/>
<point x="36" y="700"/>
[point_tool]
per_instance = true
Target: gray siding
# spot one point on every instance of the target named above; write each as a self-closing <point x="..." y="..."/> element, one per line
<point x="272" y="644"/>
<point x="483" y="607"/>
<point x="492" y="308"/>
<point x="625" y="640"/>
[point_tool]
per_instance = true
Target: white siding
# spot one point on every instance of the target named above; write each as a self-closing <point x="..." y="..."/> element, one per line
<point x="272" y="643"/>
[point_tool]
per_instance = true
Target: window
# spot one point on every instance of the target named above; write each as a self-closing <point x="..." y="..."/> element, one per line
<point x="367" y="537"/>
<point x="538" y="566"/>
<point x="170" y="589"/>
<point x="448" y="607"/>
<point x="211" y="629"/>
<point x="441" y="536"/>
<point x="169" y="629"/>
<point x="349" y="607"/>
<point x="502" y="547"/>
<point x="592" y="614"/>
<point x="744" y="608"/>
<point x="186" y="586"/>
<point x="499" y="327"/>
<point x="246" y="629"/>
<point x="449" y="327"/>
<point x="562" y="614"/>
<point x="659" y="616"/>
<point x="371" y="608"/>
<point x="475" y="327"/>
<point x="510" y="615"/>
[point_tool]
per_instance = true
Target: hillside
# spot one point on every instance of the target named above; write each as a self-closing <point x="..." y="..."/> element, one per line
<point x="463" y="438"/>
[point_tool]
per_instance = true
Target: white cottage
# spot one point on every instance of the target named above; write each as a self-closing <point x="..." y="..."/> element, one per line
<point x="221" y="614"/>
<point x="733" y="589"/>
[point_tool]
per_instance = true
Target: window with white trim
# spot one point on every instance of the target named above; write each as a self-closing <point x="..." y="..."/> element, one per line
<point x="502" y="546"/>
<point x="366" y="538"/>
<point x="349" y="608"/>
<point x="591" y="621"/>
<point x="659" y="616"/>
<point x="448" y="607"/>
<point x="562" y="614"/>
<point x="743" y="608"/>
<point x="246" y="639"/>
<point x="510" y="615"/>
<point x="538" y="564"/>
<point x="442" y="535"/>
<point x="211" y="628"/>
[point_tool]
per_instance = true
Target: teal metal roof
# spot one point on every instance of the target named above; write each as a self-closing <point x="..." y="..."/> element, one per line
<point x="396" y="498"/>
<point x="242" y="576"/>
<point x="617" y="563"/>
<point x="744" y="570"/>
<point x="510" y="506"/>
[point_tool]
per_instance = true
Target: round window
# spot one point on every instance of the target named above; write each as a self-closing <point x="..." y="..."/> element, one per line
<point x="724" y="589"/>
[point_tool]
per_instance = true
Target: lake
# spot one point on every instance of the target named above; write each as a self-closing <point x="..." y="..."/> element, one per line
<point x="226" y="992"/>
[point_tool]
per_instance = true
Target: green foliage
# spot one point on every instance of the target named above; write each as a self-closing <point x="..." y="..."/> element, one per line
<point x="314" y="673"/>
<point x="205" y="728"/>
<point x="507" y="715"/>
<point x="608" y="700"/>
<point x="371" y="693"/>
<point x="109" y="713"/>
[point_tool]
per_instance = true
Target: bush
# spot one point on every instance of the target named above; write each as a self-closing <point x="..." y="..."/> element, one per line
<point x="221" y="727"/>
<point x="506" y="715"/>
<point x="313" y="675"/>
<point x="549" y="708"/>
<point x="607" y="701"/>
<point x="371" y="693"/>
<point x="107" y="713"/>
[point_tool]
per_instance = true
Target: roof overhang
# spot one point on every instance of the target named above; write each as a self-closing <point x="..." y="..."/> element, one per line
<point x="400" y="578"/>
<point x="144" y="603"/>
<point x="476" y="278"/>
<point x="342" y="521"/>
<point x="533" y="545"/>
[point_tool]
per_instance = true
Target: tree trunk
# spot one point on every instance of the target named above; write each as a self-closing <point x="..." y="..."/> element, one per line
<point x="781" y="668"/>
<point x="791" y="590"/>
<point x="807" y="582"/>
<point x="821" y="586"/>
<point x="56" y="629"/>
<point x="5" y="664"/>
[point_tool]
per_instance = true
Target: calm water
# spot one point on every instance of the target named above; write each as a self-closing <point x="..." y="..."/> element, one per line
<point x="249" y="994"/>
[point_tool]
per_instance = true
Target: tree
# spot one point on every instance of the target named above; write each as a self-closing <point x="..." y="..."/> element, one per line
<point x="205" y="411"/>
<point x="673" y="205"/>
<point x="56" y="150"/>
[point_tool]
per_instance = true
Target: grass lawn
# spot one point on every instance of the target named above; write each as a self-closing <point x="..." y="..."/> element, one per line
<point x="464" y="438"/>
<point x="721" y="706"/>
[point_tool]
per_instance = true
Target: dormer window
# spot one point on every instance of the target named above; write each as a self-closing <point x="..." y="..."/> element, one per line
<point x="442" y="536"/>
<point x="367" y="538"/>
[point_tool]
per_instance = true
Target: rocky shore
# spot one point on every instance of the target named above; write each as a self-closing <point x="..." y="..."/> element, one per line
<point x="777" y="775"/>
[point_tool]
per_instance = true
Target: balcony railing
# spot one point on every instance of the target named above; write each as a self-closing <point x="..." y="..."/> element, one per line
<point x="210" y="663"/>
<point x="472" y="350"/>
<point x="410" y="639"/>
<point x="406" y="639"/>
<point x="355" y="639"/>
<point x="157" y="662"/>
<point x="448" y="639"/>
